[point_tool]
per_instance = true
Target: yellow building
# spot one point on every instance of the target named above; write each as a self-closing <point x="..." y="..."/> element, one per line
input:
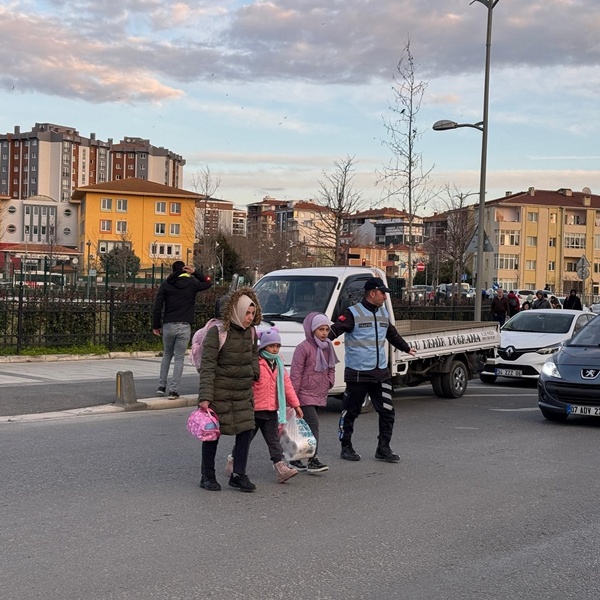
<point x="542" y="238"/>
<point x="156" y="221"/>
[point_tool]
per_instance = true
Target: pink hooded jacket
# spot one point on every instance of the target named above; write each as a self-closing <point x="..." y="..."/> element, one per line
<point x="311" y="386"/>
<point x="265" y="389"/>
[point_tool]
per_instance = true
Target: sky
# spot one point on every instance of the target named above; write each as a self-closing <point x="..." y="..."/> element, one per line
<point x="269" y="94"/>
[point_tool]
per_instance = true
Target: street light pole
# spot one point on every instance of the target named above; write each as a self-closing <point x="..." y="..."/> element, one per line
<point x="483" y="172"/>
<point x="483" y="127"/>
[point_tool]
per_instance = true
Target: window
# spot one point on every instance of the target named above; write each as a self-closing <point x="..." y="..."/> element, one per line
<point x="552" y="266"/>
<point x="175" y="208"/>
<point x="531" y="240"/>
<point x="596" y="242"/>
<point x="66" y="231"/>
<point x="142" y="155"/>
<point x="105" y="225"/>
<point x="174" y="229"/>
<point x="571" y="266"/>
<point x="507" y="261"/>
<point x="552" y="217"/>
<point x="12" y="209"/>
<point x="552" y="242"/>
<point x="532" y="217"/>
<point x="574" y="240"/>
<point x="165" y="250"/>
<point x="530" y="265"/>
<point x="121" y="227"/>
<point x="509" y="238"/>
<point x="67" y="212"/>
<point x="143" y="167"/>
<point x="130" y="167"/>
<point x="596" y="267"/>
<point x="159" y="228"/>
<point x="117" y="177"/>
<point x="11" y="229"/>
<point x="121" y="205"/>
<point x="106" y="204"/>
<point x="130" y="155"/>
<point x="118" y="166"/>
<point x="160" y="208"/>
<point x="119" y="155"/>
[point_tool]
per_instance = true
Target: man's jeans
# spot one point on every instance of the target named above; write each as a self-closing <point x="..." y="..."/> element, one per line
<point x="176" y="337"/>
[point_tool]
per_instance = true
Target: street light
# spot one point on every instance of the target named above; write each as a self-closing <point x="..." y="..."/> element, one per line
<point x="89" y="258"/>
<point x="483" y="127"/>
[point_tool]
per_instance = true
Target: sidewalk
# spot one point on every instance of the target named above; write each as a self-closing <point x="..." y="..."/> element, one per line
<point x="25" y="375"/>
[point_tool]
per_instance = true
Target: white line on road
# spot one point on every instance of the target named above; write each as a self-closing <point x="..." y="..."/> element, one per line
<point x="514" y="409"/>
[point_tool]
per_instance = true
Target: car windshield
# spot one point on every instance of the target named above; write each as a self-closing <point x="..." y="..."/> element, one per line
<point x="293" y="297"/>
<point x="589" y="335"/>
<point x="538" y="321"/>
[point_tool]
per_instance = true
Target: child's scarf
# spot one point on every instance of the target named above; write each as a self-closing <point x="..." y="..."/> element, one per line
<point x="280" y="384"/>
<point x="322" y="363"/>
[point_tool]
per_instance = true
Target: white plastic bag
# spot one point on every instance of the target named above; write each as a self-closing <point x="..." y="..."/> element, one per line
<point x="297" y="439"/>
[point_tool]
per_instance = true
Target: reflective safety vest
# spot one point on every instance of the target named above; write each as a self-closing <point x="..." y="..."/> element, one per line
<point x="365" y="344"/>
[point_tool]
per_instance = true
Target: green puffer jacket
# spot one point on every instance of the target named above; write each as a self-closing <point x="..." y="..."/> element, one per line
<point x="226" y="377"/>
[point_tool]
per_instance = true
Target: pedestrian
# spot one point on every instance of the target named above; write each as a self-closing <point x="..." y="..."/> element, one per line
<point x="514" y="306"/>
<point x="554" y="303"/>
<point x="173" y="317"/>
<point x="313" y="375"/>
<point x="526" y="305"/>
<point x="367" y="328"/>
<point x="572" y="301"/>
<point x="273" y="391"/>
<point x="226" y="376"/>
<point x="500" y="307"/>
<point x="540" y="301"/>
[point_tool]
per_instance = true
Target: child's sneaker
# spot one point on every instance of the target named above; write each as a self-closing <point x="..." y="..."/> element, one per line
<point x="284" y="472"/>
<point x="316" y="466"/>
<point x="229" y="466"/>
<point x="298" y="465"/>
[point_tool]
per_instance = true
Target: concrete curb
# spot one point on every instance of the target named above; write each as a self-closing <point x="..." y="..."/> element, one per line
<point x="104" y="409"/>
<point x="59" y="357"/>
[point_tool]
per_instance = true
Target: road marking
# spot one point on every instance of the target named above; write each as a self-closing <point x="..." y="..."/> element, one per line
<point x="514" y="409"/>
<point x="503" y="395"/>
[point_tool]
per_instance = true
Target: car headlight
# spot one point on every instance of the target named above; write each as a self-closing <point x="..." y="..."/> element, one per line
<point x="549" y="368"/>
<point x="549" y="349"/>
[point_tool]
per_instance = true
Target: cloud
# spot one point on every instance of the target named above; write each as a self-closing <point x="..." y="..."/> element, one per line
<point x="157" y="46"/>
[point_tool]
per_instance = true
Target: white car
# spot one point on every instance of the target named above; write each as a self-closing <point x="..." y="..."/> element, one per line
<point x="528" y="339"/>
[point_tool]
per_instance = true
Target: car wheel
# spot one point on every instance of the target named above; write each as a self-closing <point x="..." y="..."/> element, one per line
<point x="454" y="383"/>
<point x="556" y="417"/>
<point x="436" y="384"/>
<point x="487" y="378"/>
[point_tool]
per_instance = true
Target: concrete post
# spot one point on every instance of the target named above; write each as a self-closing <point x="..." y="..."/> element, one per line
<point x="126" y="396"/>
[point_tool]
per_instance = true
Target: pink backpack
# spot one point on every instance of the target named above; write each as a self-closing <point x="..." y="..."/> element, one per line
<point x="198" y="341"/>
<point x="204" y="424"/>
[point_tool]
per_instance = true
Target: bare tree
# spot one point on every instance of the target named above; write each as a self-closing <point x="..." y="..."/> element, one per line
<point x="461" y="227"/>
<point x="404" y="177"/>
<point x="340" y="199"/>
<point x="203" y="182"/>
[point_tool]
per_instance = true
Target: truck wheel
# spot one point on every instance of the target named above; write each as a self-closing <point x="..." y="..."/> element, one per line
<point x="367" y="405"/>
<point x="454" y="383"/>
<point x="487" y="377"/>
<point x="436" y="383"/>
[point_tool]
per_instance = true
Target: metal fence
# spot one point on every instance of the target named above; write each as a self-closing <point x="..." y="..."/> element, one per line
<point x="121" y="319"/>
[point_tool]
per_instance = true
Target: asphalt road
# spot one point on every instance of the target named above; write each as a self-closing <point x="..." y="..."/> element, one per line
<point x="489" y="502"/>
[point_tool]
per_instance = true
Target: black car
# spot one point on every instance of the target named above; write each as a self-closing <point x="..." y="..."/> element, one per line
<point x="569" y="383"/>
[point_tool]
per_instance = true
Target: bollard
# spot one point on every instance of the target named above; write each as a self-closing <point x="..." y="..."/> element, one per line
<point x="126" y="396"/>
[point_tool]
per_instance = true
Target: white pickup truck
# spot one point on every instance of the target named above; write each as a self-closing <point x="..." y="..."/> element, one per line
<point x="448" y="353"/>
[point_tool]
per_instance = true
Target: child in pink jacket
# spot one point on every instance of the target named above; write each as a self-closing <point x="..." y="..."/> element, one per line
<point x="313" y="375"/>
<point x="272" y="392"/>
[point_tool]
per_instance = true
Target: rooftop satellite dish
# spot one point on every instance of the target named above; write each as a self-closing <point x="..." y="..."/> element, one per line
<point x="586" y="190"/>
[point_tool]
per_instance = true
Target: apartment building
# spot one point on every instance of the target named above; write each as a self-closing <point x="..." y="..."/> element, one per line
<point x="214" y="215"/>
<point x="539" y="239"/>
<point x="155" y="220"/>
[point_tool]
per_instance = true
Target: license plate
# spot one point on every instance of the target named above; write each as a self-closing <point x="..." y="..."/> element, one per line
<point x="509" y="372"/>
<point x="575" y="409"/>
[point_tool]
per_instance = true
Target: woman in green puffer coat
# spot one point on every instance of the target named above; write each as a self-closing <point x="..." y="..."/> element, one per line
<point x="226" y="376"/>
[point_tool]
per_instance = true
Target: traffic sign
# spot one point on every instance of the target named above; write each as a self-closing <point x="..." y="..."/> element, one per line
<point x="583" y="262"/>
<point x="420" y="267"/>
<point x="583" y="272"/>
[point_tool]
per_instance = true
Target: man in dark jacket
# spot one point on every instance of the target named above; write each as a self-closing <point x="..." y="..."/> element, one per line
<point x="367" y="327"/>
<point x="174" y="306"/>
<point x="573" y="302"/>
<point x="500" y="307"/>
<point x="540" y="301"/>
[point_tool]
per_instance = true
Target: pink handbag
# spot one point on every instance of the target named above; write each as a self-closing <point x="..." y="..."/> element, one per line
<point x="204" y="424"/>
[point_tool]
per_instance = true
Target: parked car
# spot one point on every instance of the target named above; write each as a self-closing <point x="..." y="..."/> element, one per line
<point x="528" y="339"/>
<point x="524" y="294"/>
<point x="569" y="383"/>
